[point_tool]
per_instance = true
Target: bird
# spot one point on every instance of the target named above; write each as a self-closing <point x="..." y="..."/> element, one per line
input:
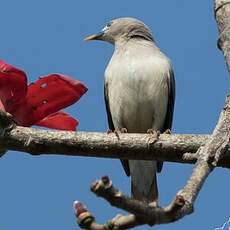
<point x="139" y="92"/>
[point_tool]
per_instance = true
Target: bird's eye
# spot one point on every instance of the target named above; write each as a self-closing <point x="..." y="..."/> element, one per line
<point x="109" y="24"/>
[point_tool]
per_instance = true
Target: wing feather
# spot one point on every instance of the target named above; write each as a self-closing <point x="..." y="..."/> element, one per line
<point x="170" y="109"/>
<point x="125" y="163"/>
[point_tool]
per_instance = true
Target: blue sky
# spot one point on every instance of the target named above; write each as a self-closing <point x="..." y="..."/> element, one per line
<point x="46" y="36"/>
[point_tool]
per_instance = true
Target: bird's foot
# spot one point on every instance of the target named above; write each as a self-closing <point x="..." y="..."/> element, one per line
<point x="154" y="136"/>
<point x="116" y="132"/>
<point x="150" y="131"/>
<point x="109" y="131"/>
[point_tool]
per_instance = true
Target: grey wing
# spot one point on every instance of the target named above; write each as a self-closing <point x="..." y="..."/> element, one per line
<point x="171" y="100"/>
<point x="170" y="109"/>
<point x="125" y="163"/>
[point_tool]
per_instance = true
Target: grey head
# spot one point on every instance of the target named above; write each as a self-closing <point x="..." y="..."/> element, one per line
<point x="123" y="29"/>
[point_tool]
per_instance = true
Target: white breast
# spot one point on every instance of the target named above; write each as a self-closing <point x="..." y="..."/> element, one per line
<point x="138" y="91"/>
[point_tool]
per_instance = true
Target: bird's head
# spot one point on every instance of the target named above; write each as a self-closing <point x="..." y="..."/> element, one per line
<point x="122" y="29"/>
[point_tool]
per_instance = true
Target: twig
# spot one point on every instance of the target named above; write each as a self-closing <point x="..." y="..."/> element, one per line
<point x="143" y="213"/>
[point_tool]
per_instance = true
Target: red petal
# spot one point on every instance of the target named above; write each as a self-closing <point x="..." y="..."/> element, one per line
<point x="59" y="120"/>
<point x="13" y="86"/>
<point x="47" y="96"/>
<point x="2" y="107"/>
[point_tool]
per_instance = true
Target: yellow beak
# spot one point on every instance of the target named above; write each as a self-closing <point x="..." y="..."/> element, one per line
<point x="97" y="36"/>
<point x="92" y="37"/>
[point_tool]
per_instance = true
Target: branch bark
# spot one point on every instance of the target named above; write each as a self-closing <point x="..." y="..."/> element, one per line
<point x="173" y="148"/>
<point x="222" y="15"/>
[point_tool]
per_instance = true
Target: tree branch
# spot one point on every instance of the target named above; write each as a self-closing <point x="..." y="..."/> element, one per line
<point x="222" y="15"/>
<point x="142" y="212"/>
<point x="173" y="148"/>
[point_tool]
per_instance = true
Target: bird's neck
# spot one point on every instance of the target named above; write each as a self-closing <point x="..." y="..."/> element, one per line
<point x="122" y="45"/>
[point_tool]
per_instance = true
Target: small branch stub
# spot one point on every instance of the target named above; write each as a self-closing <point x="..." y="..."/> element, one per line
<point x="84" y="217"/>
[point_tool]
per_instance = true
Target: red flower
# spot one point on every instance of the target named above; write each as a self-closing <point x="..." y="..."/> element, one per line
<point x="39" y="103"/>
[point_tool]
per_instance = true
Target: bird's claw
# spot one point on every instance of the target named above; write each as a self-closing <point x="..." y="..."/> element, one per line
<point x="167" y="131"/>
<point x="109" y="131"/>
<point x="116" y="132"/>
<point x="154" y="136"/>
<point x="150" y="131"/>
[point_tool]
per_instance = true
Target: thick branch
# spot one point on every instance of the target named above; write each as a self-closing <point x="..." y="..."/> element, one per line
<point x="222" y="14"/>
<point x="173" y="148"/>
